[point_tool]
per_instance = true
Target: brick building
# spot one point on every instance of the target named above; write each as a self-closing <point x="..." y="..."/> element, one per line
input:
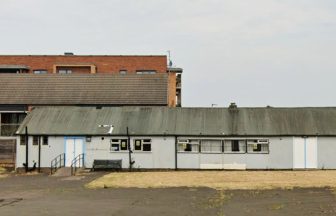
<point x="100" y="64"/>
<point x="80" y="80"/>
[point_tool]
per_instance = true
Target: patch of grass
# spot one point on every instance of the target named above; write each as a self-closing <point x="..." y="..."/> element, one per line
<point x="277" y="207"/>
<point x="220" y="180"/>
<point x="2" y="170"/>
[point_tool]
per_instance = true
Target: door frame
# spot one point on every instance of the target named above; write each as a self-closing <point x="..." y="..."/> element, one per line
<point x="305" y="151"/>
<point x="74" y="138"/>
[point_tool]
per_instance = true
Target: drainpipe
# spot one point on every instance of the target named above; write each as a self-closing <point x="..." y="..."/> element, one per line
<point x="129" y="150"/>
<point x="26" y="140"/>
<point x="175" y="152"/>
<point x="39" y="154"/>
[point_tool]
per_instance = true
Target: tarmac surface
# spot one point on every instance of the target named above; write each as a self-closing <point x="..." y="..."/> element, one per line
<point x="46" y="195"/>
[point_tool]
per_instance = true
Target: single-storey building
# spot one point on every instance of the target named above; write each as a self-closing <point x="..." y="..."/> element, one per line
<point x="20" y="92"/>
<point x="181" y="138"/>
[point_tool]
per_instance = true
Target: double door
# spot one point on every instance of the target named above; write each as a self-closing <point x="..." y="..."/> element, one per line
<point x="73" y="148"/>
<point x="305" y="153"/>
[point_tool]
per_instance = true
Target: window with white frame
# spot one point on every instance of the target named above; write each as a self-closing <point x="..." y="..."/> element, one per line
<point x="234" y="146"/>
<point x="64" y="71"/>
<point x="188" y="145"/>
<point x="258" y="146"/>
<point x="118" y="145"/>
<point x="143" y="145"/>
<point x="146" y="72"/>
<point x="211" y="146"/>
<point x="42" y="71"/>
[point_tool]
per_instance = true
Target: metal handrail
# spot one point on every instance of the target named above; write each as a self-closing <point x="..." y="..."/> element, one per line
<point x="79" y="160"/>
<point x="57" y="162"/>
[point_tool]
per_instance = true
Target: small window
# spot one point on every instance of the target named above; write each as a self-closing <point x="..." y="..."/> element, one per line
<point x="234" y="146"/>
<point x="40" y="71"/>
<point x="258" y="146"/>
<point x="123" y="72"/>
<point x="146" y="145"/>
<point x="36" y="140"/>
<point x="137" y="145"/>
<point x="64" y="71"/>
<point x="22" y="140"/>
<point x="45" y="140"/>
<point x="188" y="145"/>
<point x="146" y="72"/>
<point x="123" y="145"/>
<point x="118" y="145"/>
<point x="143" y="145"/>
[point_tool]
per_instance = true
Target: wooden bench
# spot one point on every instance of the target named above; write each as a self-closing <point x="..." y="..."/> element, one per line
<point x="107" y="164"/>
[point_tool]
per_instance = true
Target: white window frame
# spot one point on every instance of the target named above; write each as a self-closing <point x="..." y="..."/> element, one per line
<point x="185" y="142"/>
<point x="143" y="142"/>
<point x="64" y="71"/>
<point x="118" y="142"/>
<point x="242" y="147"/>
<point x="41" y="71"/>
<point x="252" y="144"/>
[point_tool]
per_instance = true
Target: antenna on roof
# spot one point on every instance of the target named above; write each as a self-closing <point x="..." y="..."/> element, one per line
<point x="170" y="63"/>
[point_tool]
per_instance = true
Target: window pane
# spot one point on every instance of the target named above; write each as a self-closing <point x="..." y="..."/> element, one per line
<point x="235" y="145"/>
<point x="137" y="145"/>
<point x="35" y="140"/>
<point x="147" y="147"/>
<point x="45" y="140"/>
<point x="114" y="147"/>
<point x="123" y="145"/>
<point x="22" y="140"/>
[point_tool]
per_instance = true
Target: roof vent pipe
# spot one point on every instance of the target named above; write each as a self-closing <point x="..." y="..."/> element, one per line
<point x="233" y="105"/>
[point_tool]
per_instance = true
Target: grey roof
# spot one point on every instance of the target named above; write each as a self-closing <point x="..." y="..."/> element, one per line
<point x="182" y="121"/>
<point x="83" y="89"/>
<point x="14" y="67"/>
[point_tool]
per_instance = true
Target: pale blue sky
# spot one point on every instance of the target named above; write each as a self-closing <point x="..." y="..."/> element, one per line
<point x="252" y="52"/>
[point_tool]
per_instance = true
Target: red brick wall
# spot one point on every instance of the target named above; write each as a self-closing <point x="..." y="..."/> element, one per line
<point x="172" y="89"/>
<point x="105" y="64"/>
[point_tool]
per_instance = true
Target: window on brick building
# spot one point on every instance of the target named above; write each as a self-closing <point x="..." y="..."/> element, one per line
<point x="40" y="71"/>
<point x="64" y="71"/>
<point x="123" y="72"/>
<point x="146" y="72"/>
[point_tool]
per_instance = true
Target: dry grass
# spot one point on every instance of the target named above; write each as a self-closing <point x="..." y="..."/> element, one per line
<point x="2" y="172"/>
<point x="218" y="179"/>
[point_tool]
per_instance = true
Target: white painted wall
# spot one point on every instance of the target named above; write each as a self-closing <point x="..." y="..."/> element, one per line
<point x="48" y="152"/>
<point x="326" y="152"/>
<point x="280" y="157"/>
<point x="162" y="155"/>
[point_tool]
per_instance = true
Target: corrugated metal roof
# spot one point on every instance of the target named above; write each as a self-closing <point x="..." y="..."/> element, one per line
<point x="83" y="89"/>
<point x="182" y="121"/>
